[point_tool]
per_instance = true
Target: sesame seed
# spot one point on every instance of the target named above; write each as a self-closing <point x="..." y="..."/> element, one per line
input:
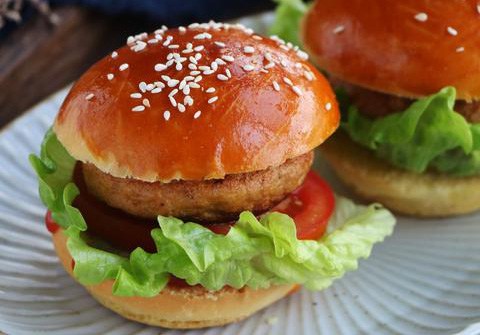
<point x="199" y="48"/>
<point x="229" y="74"/>
<point x="192" y="66"/>
<point x="110" y="76"/>
<point x="328" y="106"/>
<point x="179" y="67"/>
<point x="89" y="96"/>
<point x="209" y="71"/>
<point x="188" y="101"/>
<point x="284" y="47"/>
<point x="452" y="31"/>
<point x="269" y="65"/>
<point x="222" y="77"/>
<point x="263" y="71"/>
<point x="212" y="100"/>
<point x="460" y="49"/>
<point x="220" y="44"/>
<point x="308" y="75"/>
<point x="194" y="73"/>
<point x="248" y="67"/>
<point x="478" y="8"/>
<point x="193" y="85"/>
<point x="165" y="77"/>
<point x="138" y="108"/>
<point x="136" y="95"/>
<point x="139" y="46"/>
<point x="256" y="37"/>
<point x="297" y="90"/>
<point x="268" y="56"/>
<point x="172" y="101"/>
<point x="160" y="67"/>
<point x="210" y="90"/>
<point x="172" y="93"/>
<point x="182" y="29"/>
<point x="302" y="54"/>
<point x="287" y="81"/>
<point x="181" y="108"/>
<point x="130" y="40"/>
<point x="156" y="90"/>
<point x="150" y="87"/>
<point x="198" y="56"/>
<point x="220" y="61"/>
<point x="186" y="90"/>
<point x="228" y="58"/>
<point x="146" y="102"/>
<point x="173" y="46"/>
<point x="214" y="66"/>
<point x="193" y="60"/>
<point x="249" y="49"/>
<point x="202" y="36"/>
<point x="114" y="54"/>
<point x="123" y="67"/>
<point x="421" y="17"/>
<point x="338" y="29"/>
<point x="204" y="68"/>
<point x="298" y="65"/>
<point x="172" y="82"/>
<point x="198" y="78"/>
<point x="197" y="114"/>
<point x="284" y="63"/>
<point x="166" y="115"/>
<point x="143" y="86"/>
<point x="276" y="87"/>
<point x="152" y="41"/>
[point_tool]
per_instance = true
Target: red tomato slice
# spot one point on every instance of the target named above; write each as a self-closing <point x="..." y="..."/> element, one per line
<point x="52" y="227"/>
<point x="310" y="206"/>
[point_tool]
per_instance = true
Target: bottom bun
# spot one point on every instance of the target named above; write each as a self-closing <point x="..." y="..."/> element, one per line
<point x="180" y="307"/>
<point x="427" y="194"/>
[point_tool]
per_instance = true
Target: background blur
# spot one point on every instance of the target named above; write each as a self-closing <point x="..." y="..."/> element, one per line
<point x="45" y="45"/>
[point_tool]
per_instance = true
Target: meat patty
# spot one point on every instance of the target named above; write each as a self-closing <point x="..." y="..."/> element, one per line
<point x="217" y="200"/>
<point x="375" y="104"/>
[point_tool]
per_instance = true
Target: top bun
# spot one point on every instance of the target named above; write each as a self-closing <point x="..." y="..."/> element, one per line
<point x="409" y="48"/>
<point x="197" y="103"/>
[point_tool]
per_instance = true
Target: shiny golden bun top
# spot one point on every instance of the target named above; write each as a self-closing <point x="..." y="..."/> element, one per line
<point x="197" y="103"/>
<point x="409" y="48"/>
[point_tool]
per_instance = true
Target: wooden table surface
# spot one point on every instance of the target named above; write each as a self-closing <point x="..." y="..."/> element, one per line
<point x="38" y="59"/>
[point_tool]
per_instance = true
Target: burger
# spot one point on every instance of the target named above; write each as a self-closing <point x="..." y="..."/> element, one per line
<point x="178" y="184"/>
<point x="405" y="72"/>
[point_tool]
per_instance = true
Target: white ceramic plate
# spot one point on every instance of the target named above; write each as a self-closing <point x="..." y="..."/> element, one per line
<point x="425" y="279"/>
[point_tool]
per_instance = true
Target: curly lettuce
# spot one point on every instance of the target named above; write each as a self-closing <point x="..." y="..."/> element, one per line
<point x="255" y="253"/>
<point x="286" y="24"/>
<point x="428" y="134"/>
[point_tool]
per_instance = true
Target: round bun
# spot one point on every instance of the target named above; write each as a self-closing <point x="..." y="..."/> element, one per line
<point x="435" y="195"/>
<point x="191" y="307"/>
<point x="250" y="103"/>
<point x="408" y="48"/>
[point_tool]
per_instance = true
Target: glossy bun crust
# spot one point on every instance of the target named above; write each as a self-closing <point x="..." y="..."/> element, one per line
<point x="251" y="126"/>
<point x="427" y="194"/>
<point x="384" y="48"/>
<point x="180" y="308"/>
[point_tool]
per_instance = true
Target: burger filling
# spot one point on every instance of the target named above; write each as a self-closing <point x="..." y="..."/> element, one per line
<point x="437" y="133"/>
<point x="296" y="233"/>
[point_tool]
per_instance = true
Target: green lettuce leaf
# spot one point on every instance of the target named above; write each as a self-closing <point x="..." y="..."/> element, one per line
<point x="288" y="15"/>
<point x="429" y="134"/>
<point x="255" y="253"/>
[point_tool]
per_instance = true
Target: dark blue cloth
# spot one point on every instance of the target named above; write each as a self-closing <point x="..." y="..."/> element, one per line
<point x="176" y="12"/>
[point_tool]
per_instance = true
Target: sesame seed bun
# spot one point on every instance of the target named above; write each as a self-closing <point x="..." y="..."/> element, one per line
<point x="190" y="307"/>
<point x="132" y="116"/>
<point x="426" y="195"/>
<point x="409" y="48"/>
